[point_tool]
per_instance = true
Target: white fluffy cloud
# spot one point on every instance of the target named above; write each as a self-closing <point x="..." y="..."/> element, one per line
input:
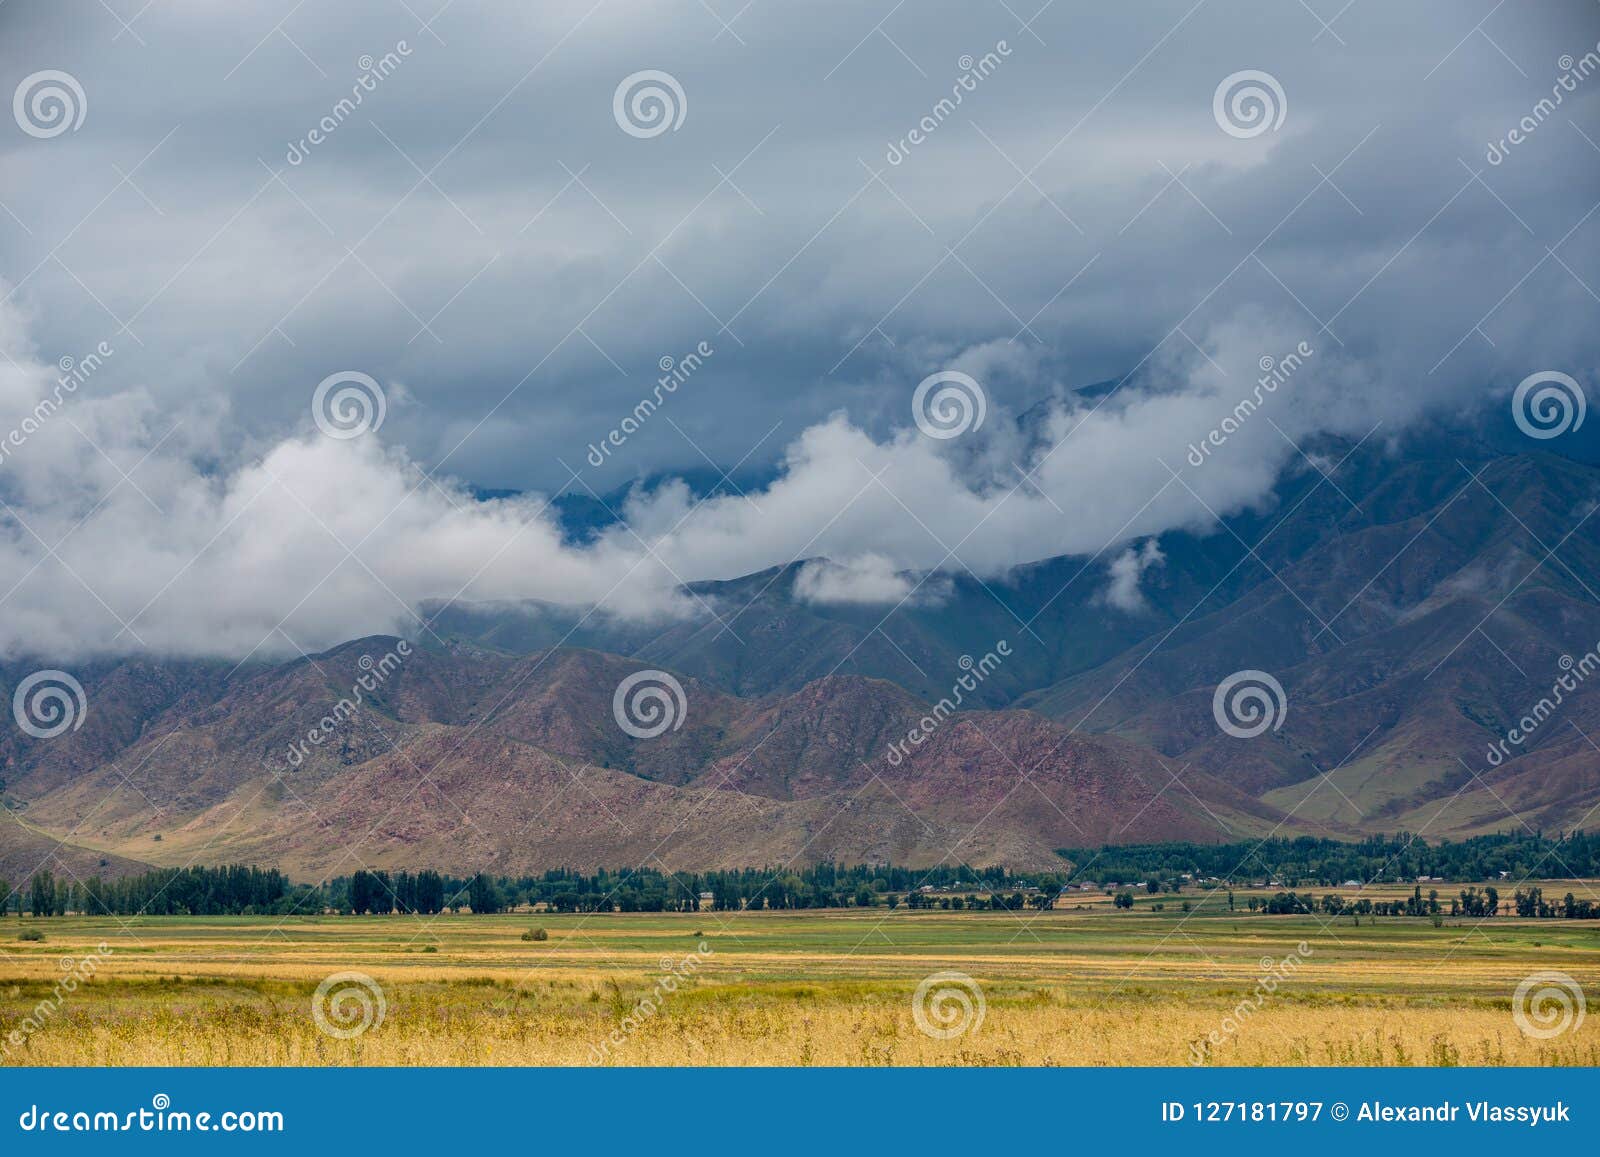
<point x="126" y="528"/>
<point x="1127" y="569"/>
<point x="866" y="581"/>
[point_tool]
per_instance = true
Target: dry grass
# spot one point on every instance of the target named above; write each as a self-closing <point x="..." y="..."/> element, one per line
<point x="1067" y="988"/>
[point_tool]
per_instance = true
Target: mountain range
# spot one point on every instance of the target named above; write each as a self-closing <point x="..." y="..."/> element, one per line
<point x="1414" y="600"/>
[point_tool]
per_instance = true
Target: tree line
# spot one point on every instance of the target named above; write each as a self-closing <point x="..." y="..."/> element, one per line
<point x="643" y="889"/>
<point x="233" y="890"/>
<point x="236" y="890"/>
<point x="1308" y="860"/>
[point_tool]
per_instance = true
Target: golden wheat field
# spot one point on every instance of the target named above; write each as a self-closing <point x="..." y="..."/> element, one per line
<point x="853" y="987"/>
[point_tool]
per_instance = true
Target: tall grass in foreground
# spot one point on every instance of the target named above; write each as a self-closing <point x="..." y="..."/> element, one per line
<point x="568" y="1022"/>
<point x="1075" y="988"/>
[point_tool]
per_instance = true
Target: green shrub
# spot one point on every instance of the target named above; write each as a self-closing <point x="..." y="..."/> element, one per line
<point x="536" y="934"/>
<point x="31" y="934"/>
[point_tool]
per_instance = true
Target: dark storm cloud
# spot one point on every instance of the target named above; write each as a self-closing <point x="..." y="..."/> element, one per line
<point x="481" y="237"/>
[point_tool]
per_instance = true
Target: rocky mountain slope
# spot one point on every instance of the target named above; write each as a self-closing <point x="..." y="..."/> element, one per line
<point x="468" y="761"/>
<point x="1415" y="604"/>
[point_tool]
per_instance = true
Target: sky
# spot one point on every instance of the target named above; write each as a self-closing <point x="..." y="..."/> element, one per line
<point x="565" y="247"/>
